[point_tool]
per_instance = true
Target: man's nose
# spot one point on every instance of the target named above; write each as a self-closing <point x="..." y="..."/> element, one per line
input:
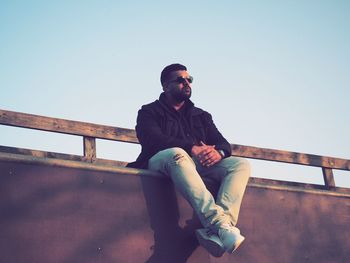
<point x="187" y="83"/>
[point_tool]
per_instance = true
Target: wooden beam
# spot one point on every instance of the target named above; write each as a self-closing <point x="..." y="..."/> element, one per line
<point x="40" y="154"/>
<point x="62" y="156"/>
<point x="102" y="167"/>
<point x="290" y="157"/>
<point x="328" y="178"/>
<point x="89" y="149"/>
<point x="25" y="120"/>
<point x="43" y="123"/>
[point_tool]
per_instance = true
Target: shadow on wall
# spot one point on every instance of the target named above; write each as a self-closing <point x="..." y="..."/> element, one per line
<point x="174" y="240"/>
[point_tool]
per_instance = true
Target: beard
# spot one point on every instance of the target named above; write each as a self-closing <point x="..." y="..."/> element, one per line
<point x="180" y="95"/>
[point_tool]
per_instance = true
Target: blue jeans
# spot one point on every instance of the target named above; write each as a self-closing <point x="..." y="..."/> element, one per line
<point x="186" y="173"/>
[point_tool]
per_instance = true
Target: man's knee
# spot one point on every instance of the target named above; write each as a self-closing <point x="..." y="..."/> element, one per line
<point x="175" y="151"/>
<point x="175" y="154"/>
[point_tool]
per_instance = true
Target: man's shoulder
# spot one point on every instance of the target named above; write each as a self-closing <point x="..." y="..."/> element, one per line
<point x="154" y="106"/>
<point x="151" y="106"/>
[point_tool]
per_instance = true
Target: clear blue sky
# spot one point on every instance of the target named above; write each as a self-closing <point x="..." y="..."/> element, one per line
<point x="274" y="74"/>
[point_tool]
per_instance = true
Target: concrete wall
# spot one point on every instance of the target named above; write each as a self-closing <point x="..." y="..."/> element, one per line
<point x="68" y="215"/>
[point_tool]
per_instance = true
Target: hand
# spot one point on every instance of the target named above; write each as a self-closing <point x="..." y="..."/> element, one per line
<point x="207" y="155"/>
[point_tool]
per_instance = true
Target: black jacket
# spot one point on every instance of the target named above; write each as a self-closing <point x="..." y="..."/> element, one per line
<point x="159" y="126"/>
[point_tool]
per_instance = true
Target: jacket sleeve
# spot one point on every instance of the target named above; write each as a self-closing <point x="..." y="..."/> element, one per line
<point x="214" y="137"/>
<point x="152" y="138"/>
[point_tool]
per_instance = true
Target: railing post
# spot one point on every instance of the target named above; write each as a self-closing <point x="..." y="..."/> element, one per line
<point x="89" y="149"/>
<point x="328" y="178"/>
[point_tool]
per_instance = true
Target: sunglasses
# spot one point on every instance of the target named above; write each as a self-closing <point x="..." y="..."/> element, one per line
<point x="182" y="80"/>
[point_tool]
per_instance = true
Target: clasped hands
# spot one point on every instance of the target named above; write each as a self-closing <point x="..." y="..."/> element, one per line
<point x="207" y="155"/>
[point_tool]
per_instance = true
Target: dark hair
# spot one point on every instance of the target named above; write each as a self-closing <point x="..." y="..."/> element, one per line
<point x="164" y="76"/>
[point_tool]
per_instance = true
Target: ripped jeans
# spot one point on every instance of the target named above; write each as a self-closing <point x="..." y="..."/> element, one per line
<point x="186" y="173"/>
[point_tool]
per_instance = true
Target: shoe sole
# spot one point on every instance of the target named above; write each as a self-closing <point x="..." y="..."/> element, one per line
<point x="212" y="247"/>
<point x="237" y="244"/>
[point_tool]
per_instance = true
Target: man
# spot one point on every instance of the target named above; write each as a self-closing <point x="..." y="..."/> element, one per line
<point x="181" y="141"/>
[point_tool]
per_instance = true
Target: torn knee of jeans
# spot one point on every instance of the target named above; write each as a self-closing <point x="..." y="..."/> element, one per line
<point x="177" y="157"/>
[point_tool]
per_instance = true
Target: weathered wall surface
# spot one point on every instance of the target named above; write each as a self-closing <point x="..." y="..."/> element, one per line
<point x="62" y="215"/>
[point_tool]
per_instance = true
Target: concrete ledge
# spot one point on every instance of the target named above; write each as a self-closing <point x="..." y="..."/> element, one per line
<point x="50" y="213"/>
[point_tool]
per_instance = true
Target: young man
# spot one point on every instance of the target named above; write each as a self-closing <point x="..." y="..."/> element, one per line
<point x="181" y="141"/>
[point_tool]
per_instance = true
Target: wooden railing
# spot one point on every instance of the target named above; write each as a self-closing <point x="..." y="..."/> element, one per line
<point x="90" y="132"/>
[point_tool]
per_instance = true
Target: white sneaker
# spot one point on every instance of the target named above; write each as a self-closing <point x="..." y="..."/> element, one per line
<point x="210" y="242"/>
<point x="230" y="237"/>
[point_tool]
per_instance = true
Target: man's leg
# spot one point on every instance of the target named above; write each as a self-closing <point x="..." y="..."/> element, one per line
<point x="177" y="164"/>
<point x="233" y="174"/>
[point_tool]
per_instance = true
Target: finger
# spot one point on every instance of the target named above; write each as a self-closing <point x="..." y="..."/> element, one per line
<point x="210" y="160"/>
<point x="213" y="158"/>
<point x="209" y="155"/>
<point x="205" y="160"/>
<point x="205" y="153"/>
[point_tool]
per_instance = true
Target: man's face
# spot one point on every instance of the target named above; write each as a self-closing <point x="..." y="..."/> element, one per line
<point x="179" y="86"/>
